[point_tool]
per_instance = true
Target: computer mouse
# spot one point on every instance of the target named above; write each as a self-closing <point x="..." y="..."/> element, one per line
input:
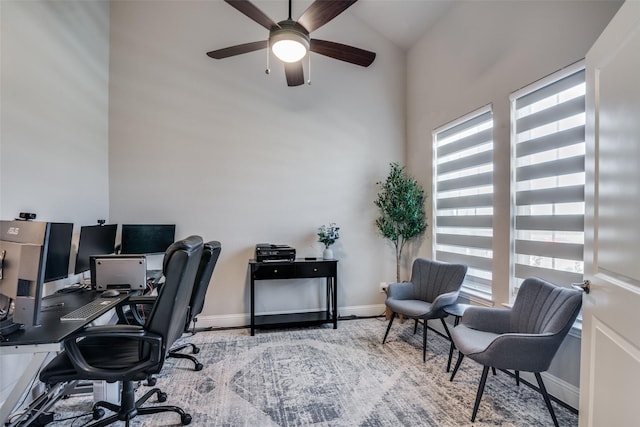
<point x="110" y="293"/>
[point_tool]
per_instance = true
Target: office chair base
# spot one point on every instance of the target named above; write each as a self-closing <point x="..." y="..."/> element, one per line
<point x="197" y="365"/>
<point x="194" y="348"/>
<point x="130" y="408"/>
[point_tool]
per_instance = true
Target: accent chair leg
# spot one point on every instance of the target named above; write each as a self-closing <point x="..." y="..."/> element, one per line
<point x="446" y="328"/>
<point x="545" y="395"/>
<point x="458" y="362"/>
<point x="518" y="378"/>
<point x="451" y="347"/>
<point x="415" y="327"/>
<point x="450" y="357"/>
<point x="393" y="316"/>
<point x="483" y="381"/>
<point x="424" y="341"/>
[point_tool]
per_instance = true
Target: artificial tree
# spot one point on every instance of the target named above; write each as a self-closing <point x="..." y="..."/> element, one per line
<point x="402" y="216"/>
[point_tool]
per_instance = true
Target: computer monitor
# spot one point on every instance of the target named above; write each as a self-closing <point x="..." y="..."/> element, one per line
<point x="59" y="251"/>
<point x="94" y="240"/>
<point x="147" y="238"/>
<point x="23" y="252"/>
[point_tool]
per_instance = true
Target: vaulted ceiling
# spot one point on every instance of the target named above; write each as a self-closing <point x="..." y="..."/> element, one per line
<point x="400" y="21"/>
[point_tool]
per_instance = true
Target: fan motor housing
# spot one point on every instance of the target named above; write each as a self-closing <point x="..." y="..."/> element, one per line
<point x="289" y="29"/>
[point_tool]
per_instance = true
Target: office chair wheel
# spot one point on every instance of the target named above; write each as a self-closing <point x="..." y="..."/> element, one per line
<point x="98" y="413"/>
<point x="186" y="419"/>
<point x="151" y="381"/>
<point x="162" y="396"/>
<point x="198" y="367"/>
<point x="196" y="350"/>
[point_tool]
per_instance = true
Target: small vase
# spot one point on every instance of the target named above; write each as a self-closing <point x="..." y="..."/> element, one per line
<point x="328" y="253"/>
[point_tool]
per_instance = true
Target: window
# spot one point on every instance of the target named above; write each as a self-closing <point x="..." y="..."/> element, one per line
<point x="548" y="148"/>
<point x="463" y="197"/>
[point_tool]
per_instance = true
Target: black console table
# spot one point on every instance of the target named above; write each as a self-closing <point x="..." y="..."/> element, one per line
<point x="298" y="269"/>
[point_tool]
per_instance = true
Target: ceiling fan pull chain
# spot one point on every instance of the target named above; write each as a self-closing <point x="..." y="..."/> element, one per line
<point x="309" y="80"/>
<point x="267" y="71"/>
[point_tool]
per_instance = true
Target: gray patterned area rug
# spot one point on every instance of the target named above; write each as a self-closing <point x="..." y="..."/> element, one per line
<point x="326" y="377"/>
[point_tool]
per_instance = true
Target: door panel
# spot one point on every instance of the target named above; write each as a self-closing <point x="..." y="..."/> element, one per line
<point x="610" y="356"/>
<point x="609" y="407"/>
<point x="618" y="156"/>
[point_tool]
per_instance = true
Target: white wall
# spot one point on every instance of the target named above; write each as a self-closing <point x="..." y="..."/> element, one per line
<point x="54" y="110"/>
<point x="477" y="55"/>
<point x="231" y="154"/>
<point x="53" y="118"/>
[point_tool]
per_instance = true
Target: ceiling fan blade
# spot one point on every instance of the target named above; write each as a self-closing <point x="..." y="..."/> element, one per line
<point x="237" y="50"/>
<point x="322" y="11"/>
<point x="294" y="73"/>
<point x="249" y="9"/>
<point x="342" y="52"/>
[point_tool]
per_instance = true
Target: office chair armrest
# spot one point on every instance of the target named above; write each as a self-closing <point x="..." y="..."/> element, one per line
<point x="133" y="302"/>
<point x="400" y="291"/>
<point x="489" y="319"/>
<point x="141" y="299"/>
<point x="444" y="300"/>
<point x="129" y="332"/>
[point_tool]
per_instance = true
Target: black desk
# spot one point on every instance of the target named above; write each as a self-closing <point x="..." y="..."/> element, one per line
<point x="298" y="269"/>
<point x="41" y="341"/>
<point x="51" y="329"/>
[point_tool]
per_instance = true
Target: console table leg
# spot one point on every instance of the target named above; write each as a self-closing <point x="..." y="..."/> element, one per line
<point x="335" y="302"/>
<point x="253" y="306"/>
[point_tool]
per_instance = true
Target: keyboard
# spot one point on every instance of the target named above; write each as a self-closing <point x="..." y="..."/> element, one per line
<point x="91" y="310"/>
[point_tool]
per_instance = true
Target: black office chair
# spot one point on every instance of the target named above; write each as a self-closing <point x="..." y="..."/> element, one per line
<point x="131" y="353"/>
<point x="208" y="262"/>
<point x="138" y="305"/>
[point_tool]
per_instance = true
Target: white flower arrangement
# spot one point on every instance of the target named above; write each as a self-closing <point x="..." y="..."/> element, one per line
<point x="328" y="235"/>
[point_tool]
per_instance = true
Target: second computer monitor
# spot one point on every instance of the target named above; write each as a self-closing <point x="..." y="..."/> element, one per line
<point x="58" y="251"/>
<point x="94" y="240"/>
<point x="147" y="238"/>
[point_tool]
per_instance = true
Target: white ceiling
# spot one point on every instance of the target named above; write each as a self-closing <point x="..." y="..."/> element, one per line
<point x="401" y="21"/>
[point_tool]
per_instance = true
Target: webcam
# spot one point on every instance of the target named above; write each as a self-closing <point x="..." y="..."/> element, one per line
<point x="27" y="216"/>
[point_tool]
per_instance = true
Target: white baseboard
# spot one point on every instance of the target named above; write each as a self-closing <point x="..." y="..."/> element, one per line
<point x="362" y="310"/>
<point x="243" y="319"/>
<point x="558" y="388"/>
<point x="225" y="321"/>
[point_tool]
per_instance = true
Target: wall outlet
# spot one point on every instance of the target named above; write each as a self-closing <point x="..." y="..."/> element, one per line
<point x="383" y="287"/>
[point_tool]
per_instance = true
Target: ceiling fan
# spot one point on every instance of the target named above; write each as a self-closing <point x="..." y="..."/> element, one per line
<point x="290" y="42"/>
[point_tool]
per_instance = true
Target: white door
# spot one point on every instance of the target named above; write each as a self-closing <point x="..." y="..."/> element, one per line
<point x="610" y="364"/>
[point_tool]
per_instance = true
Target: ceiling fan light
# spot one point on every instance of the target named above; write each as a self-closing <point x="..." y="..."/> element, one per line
<point x="289" y="46"/>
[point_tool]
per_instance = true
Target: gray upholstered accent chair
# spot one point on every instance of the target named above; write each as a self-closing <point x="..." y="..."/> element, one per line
<point x="433" y="286"/>
<point x="523" y="338"/>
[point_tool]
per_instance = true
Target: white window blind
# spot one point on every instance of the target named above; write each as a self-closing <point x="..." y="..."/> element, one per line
<point x="463" y="196"/>
<point x="548" y="140"/>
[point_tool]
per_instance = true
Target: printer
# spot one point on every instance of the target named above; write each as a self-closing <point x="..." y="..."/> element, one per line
<point x="270" y="252"/>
